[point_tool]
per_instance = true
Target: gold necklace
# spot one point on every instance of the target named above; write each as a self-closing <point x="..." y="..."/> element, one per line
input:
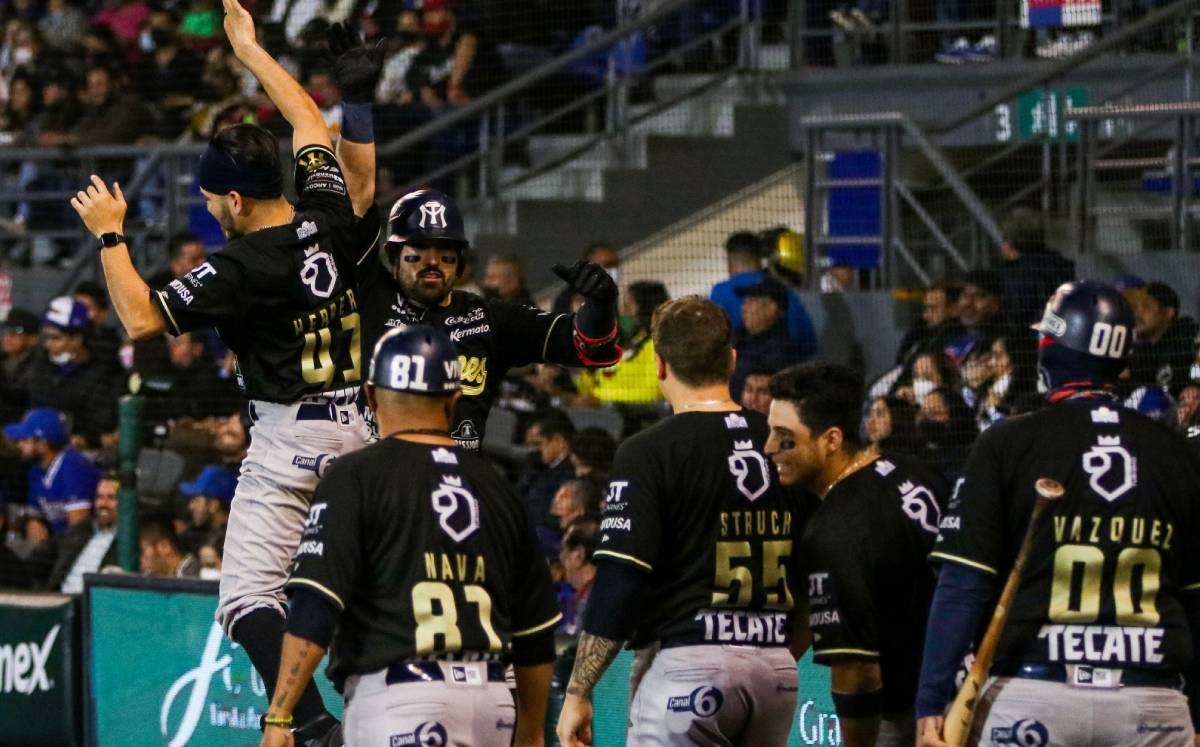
<point x="706" y="403"/>
<point x="860" y="461"/>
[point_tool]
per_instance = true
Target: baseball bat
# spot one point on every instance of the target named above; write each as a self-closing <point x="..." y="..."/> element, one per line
<point x="962" y="711"/>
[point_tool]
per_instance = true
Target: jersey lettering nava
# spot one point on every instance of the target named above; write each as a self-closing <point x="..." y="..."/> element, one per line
<point x="284" y="298"/>
<point x="695" y="503"/>
<point x="865" y="554"/>
<point x="1110" y="559"/>
<point x="491" y="336"/>
<point x="442" y="564"/>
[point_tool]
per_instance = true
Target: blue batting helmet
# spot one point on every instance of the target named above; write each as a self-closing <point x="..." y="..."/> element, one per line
<point x="418" y="359"/>
<point x="1090" y="318"/>
<point x="426" y="216"/>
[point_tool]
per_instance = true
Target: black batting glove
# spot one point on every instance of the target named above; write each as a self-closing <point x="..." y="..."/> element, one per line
<point x="589" y="280"/>
<point x="356" y="66"/>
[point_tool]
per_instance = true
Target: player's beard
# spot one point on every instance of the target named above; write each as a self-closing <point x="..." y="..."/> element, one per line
<point x="225" y="220"/>
<point x="415" y="289"/>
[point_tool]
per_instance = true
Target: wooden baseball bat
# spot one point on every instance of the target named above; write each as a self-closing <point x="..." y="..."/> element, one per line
<point x="962" y="711"/>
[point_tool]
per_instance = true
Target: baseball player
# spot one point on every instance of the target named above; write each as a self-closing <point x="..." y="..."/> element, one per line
<point x="695" y="567"/>
<point x="865" y="549"/>
<point x="412" y="281"/>
<point x="433" y="582"/>
<point x="281" y="295"/>
<point x="1097" y="637"/>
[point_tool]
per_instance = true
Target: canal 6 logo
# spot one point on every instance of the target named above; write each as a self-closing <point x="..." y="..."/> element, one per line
<point x="703" y="701"/>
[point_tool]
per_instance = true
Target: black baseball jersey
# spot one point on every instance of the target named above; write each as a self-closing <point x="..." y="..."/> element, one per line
<point x="492" y="337"/>
<point x="693" y="501"/>
<point x="1109" y="559"/>
<point x="870" y="583"/>
<point x="442" y="564"/>
<point x="284" y="298"/>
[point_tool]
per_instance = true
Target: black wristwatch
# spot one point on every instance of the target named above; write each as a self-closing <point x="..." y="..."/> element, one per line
<point x="112" y="238"/>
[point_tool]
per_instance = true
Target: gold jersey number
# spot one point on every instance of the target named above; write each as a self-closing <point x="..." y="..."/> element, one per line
<point x="316" y="363"/>
<point x="1075" y="593"/>
<point x="436" y="613"/>
<point x="735" y="579"/>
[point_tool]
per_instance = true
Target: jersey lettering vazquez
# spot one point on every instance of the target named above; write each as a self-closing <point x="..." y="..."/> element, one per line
<point x="283" y="299"/>
<point x="442" y="564"/>
<point x="694" y="502"/>
<point x="1109" y="558"/>
<point x="865" y="551"/>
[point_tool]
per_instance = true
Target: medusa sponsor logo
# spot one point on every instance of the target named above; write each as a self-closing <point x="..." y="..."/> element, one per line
<point x="23" y="665"/>
<point x="704" y="701"/>
<point x="428" y="734"/>
<point x="201" y="701"/>
<point x="1026" y="733"/>
<point x="182" y="292"/>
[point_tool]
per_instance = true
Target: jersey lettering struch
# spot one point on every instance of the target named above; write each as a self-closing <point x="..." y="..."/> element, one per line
<point x="1109" y="559"/>
<point x="695" y="503"/>
<point x="491" y="336"/>
<point x="440" y="565"/>
<point x="284" y="298"/>
<point x="865" y="553"/>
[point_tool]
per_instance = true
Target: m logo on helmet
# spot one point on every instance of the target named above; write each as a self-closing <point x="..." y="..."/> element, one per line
<point x="433" y="215"/>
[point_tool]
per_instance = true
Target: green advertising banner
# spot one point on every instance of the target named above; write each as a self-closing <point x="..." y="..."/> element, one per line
<point x="1042" y="114"/>
<point x="162" y="672"/>
<point x="39" y="666"/>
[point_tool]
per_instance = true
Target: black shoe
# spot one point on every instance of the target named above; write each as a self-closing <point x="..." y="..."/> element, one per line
<point x="322" y="731"/>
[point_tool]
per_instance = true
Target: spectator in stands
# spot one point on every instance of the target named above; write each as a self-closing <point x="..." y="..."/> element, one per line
<point x="929" y="371"/>
<point x="19" y="114"/>
<point x="504" y="278"/>
<point x="756" y="391"/>
<point x="762" y="343"/>
<point x="63" y="25"/>
<point x="1187" y="404"/>
<point x="447" y="70"/>
<point x="945" y="431"/>
<point x="191" y="386"/>
<point x="1163" y="340"/>
<point x="592" y="452"/>
<point x="88" y="546"/>
<point x="891" y="425"/>
<point x="406" y="43"/>
<point x="979" y="311"/>
<point x="19" y="352"/>
<point x="62" y="482"/>
<point x="209" y="496"/>
<point x="110" y="115"/>
<point x="102" y="338"/>
<point x="1013" y="375"/>
<point x="634" y="379"/>
<point x="744" y="261"/>
<point x="939" y="325"/>
<point x="212" y="555"/>
<point x="549" y="435"/>
<point x="68" y="378"/>
<point x="22" y="46"/>
<point x="576" y="499"/>
<point x="201" y="26"/>
<point x="169" y="74"/>
<point x="161" y="553"/>
<point x="1030" y="271"/>
<point x="600" y="252"/>
<point x="59" y="113"/>
<point x="578" y="544"/>
<point x="125" y="19"/>
<point x="186" y="253"/>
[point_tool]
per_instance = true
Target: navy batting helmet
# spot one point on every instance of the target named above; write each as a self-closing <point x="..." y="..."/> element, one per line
<point x="428" y="217"/>
<point x="418" y="359"/>
<point x="1091" y="318"/>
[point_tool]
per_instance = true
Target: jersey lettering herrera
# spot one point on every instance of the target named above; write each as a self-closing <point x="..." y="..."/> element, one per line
<point x="1111" y="555"/>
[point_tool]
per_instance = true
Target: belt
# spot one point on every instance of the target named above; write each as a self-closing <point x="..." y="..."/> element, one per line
<point x="327" y="411"/>
<point x="675" y="641"/>
<point x="1083" y="675"/>
<point x="460" y="673"/>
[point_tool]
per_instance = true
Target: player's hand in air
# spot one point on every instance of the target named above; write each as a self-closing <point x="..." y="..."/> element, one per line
<point x="239" y="25"/>
<point x="356" y="65"/>
<point x="575" y="722"/>
<point x="589" y="279"/>
<point x="102" y="211"/>
<point x="929" y="732"/>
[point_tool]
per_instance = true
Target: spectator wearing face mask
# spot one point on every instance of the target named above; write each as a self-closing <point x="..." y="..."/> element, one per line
<point x="945" y="431"/>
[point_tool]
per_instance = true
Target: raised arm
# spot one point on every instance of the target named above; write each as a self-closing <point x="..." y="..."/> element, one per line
<point x="293" y="102"/>
<point x="356" y="69"/>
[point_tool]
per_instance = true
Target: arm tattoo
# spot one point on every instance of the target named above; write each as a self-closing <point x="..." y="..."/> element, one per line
<point x="592" y="657"/>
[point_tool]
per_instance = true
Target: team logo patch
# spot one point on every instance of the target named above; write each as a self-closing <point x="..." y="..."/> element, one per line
<point x="312" y="160"/>
<point x="1112" y="469"/>
<point x="306" y="229"/>
<point x="457" y="509"/>
<point x="318" y="464"/>
<point x="320" y="274"/>
<point x="1025" y="733"/>
<point x="751" y="470"/>
<point x="733" y="420"/>
<point x="920" y="505"/>
<point x="428" y="734"/>
<point x="703" y="701"/>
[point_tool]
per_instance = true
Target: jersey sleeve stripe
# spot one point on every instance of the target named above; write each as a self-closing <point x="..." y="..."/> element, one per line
<point x="539" y="628"/>
<point x="549" y="332"/>
<point x="845" y="652"/>
<point x="1192" y="587"/>
<point x="323" y="589"/>
<point x="964" y="561"/>
<point x="623" y="556"/>
<point x="162" y="303"/>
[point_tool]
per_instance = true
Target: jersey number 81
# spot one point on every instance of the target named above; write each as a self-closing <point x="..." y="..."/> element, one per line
<point x="436" y="613"/>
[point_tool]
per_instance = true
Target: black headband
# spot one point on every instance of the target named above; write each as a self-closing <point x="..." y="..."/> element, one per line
<point x="220" y="174"/>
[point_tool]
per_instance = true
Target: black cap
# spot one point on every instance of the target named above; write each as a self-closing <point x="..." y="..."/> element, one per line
<point x="1162" y="293"/>
<point x="22" y="321"/>
<point x="768" y="288"/>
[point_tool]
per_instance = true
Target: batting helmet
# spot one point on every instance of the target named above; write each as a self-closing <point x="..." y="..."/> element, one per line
<point x="1090" y="318"/>
<point x="426" y="216"/>
<point x="418" y="359"/>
